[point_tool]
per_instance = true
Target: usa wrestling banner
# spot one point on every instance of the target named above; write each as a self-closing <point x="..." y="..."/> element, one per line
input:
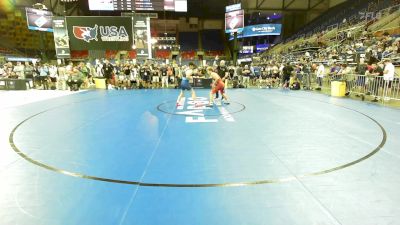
<point x="100" y="33"/>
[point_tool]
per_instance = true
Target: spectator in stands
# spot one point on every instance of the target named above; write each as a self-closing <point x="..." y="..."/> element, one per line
<point x="333" y="73"/>
<point x="85" y="74"/>
<point x="361" y="70"/>
<point x="388" y="77"/>
<point x="99" y="69"/>
<point x="346" y="74"/>
<point x="19" y="70"/>
<point x="9" y="68"/>
<point x="91" y="73"/>
<point x="294" y="83"/>
<point x="376" y="71"/>
<point x="125" y="77"/>
<point x="2" y="72"/>
<point x="155" y="73"/>
<point x="44" y="76"/>
<point x="28" y="71"/>
<point x="108" y="70"/>
<point x="320" y="75"/>
<point x="62" y="78"/>
<point x="246" y="75"/>
<point x="232" y="73"/>
<point x="75" y="79"/>
<point x="53" y="74"/>
<point x="239" y="73"/>
<point x="174" y="73"/>
<point x="286" y="73"/>
<point x="223" y="72"/>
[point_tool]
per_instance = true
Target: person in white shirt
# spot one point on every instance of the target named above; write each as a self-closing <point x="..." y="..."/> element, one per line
<point x="320" y="75"/>
<point x="99" y="70"/>
<point x="388" y="77"/>
<point x="19" y="70"/>
<point x="2" y="72"/>
<point x="53" y="72"/>
<point x="62" y="78"/>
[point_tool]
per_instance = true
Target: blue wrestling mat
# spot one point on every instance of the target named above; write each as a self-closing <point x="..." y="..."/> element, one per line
<point x="134" y="157"/>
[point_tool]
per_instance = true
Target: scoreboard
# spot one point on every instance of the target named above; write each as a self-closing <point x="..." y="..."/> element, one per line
<point x="154" y="5"/>
<point x="139" y="5"/>
<point x="123" y="5"/>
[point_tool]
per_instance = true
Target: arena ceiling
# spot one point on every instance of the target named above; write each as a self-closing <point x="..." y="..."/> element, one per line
<point x="289" y="5"/>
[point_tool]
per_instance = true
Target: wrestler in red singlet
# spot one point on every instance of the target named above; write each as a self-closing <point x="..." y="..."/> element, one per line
<point x="218" y="85"/>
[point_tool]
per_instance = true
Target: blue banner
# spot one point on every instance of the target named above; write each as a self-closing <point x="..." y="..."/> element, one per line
<point x="262" y="47"/>
<point x="259" y="30"/>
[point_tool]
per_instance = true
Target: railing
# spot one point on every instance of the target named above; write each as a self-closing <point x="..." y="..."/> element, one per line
<point x="363" y="85"/>
<point x="375" y="88"/>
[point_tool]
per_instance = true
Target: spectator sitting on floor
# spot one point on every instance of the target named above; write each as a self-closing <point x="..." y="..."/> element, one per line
<point x="75" y="80"/>
<point x="294" y="83"/>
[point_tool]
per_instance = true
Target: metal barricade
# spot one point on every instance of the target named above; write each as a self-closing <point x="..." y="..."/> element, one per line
<point x="370" y="85"/>
<point x="363" y="85"/>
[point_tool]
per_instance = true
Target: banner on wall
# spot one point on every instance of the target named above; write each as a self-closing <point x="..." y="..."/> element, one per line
<point x="141" y="26"/>
<point x="262" y="47"/>
<point x="61" y="39"/>
<point x="247" y="50"/>
<point x="100" y="33"/>
<point x="258" y="30"/>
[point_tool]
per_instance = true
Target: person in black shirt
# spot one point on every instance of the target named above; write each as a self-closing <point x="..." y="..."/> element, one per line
<point x="360" y="70"/>
<point x="126" y="75"/>
<point x="231" y="72"/>
<point x="222" y="71"/>
<point x="377" y="72"/>
<point x="143" y="76"/>
<point x="164" y="76"/>
<point x="155" y="77"/>
<point x="108" y="73"/>
<point x="287" y="71"/>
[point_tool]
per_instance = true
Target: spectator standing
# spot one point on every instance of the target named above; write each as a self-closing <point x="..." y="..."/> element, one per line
<point x="62" y="78"/>
<point x="44" y="76"/>
<point x="19" y="70"/>
<point x="287" y="71"/>
<point x="164" y="76"/>
<point x="320" y="75"/>
<point x="246" y="76"/>
<point x="107" y="71"/>
<point x="28" y="71"/>
<point x="53" y="74"/>
<point x="388" y="77"/>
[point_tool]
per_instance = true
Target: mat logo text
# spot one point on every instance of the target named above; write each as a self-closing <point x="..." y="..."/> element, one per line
<point x="195" y="111"/>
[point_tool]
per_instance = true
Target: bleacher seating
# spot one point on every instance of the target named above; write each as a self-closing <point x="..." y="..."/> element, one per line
<point x="190" y="55"/>
<point x="15" y="36"/>
<point x="163" y="54"/>
<point x="352" y="11"/>
<point x="213" y="54"/>
<point x="329" y="34"/>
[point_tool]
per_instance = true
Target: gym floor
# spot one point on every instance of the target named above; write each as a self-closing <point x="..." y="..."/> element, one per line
<point x="133" y="157"/>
